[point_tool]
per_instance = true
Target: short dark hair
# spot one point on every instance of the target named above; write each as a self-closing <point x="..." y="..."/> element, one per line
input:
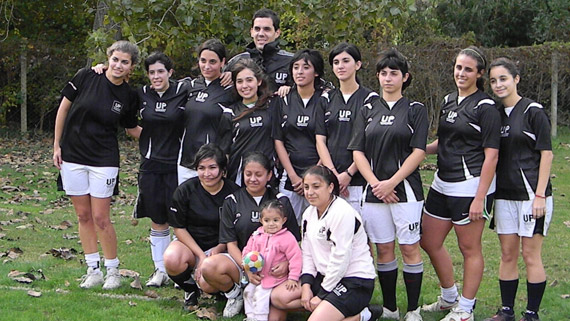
<point x="210" y="151"/>
<point x="326" y="175"/>
<point x="266" y="13"/>
<point x="315" y="58"/>
<point x="158" y="57"/>
<point x="393" y="59"/>
<point x="507" y="64"/>
<point x="479" y="57"/>
<point x="214" y="45"/>
<point x="257" y="157"/>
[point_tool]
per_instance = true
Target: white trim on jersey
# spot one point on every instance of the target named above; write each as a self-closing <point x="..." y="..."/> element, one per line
<point x="531" y="135"/>
<point x="147" y="156"/>
<point x="537" y="105"/>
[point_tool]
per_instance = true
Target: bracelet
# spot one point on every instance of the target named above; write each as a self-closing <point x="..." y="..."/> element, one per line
<point x="349" y="174"/>
<point x="540" y="196"/>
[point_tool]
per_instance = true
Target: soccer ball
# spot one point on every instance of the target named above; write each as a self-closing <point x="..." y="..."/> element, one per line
<point x="253" y="262"/>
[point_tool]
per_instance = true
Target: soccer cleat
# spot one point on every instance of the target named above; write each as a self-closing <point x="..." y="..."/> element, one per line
<point x="439" y="305"/>
<point x="112" y="279"/>
<point x="413" y="315"/>
<point x="376" y="312"/>
<point x="158" y="279"/>
<point x="530" y="317"/>
<point x="501" y="316"/>
<point x="191" y="299"/>
<point x="458" y="314"/>
<point x="233" y="306"/>
<point x="93" y="278"/>
<point x="387" y="314"/>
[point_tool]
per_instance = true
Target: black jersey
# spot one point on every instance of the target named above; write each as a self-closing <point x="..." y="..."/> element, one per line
<point x="387" y="137"/>
<point x="524" y="133"/>
<point x="465" y="129"/>
<point x="98" y="108"/>
<point x="295" y="127"/>
<point x="250" y="133"/>
<point x="202" y="116"/>
<point x="241" y="216"/>
<point x="335" y="120"/>
<point x="162" y="121"/>
<point x="274" y="61"/>
<point x="198" y="211"/>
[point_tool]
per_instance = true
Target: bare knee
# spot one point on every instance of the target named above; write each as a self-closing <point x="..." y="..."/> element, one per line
<point x="84" y="217"/>
<point x="102" y="221"/>
<point x="509" y="256"/>
<point x="531" y="257"/>
<point x="210" y="268"/>
<point x="411" y="253"/>
<point x="385" y="252"/>
<point x="172" y="260"/>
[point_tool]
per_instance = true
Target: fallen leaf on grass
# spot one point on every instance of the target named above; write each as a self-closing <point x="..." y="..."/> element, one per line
<point x="129" y="242"/>
<point x="207" y="313"/>
<point x="15" y="273"/>
<point x="5" y="223"/>
<point x="128" y="273"/>
<point x="134" y="222"/>
<point x="70" y="236"/>
<point x="12" y="253"/>
<point x="554" y="283"/>
<point x="565" y="296"/>
<point x="23" y="279"/>
<point x="64" y="253"/>
<point x="26" y="226"/>
<point x="48" y="211"/>
<point x="151" y="294"/>
<point x="58" y="290"/>
<point x="34" y="294"/>
<point x="8" y="188"/>
<point x="133" y="304"/>
<point x="136" y="284"/>
<point x="66" y="283"/>
<point x="37" y="219"/>
<point x="2" y="235"/>
<point x="62" y="226"/>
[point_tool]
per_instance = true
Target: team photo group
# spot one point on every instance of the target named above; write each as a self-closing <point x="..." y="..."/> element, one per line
<point x="288" y="193"/>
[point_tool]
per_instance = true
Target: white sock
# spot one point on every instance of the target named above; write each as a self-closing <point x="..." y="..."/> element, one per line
<point x="365" y="314"/>
<point x="234" y="292"/>
<point x="159" y="241"/>
<point x="449" y="294"/>
<point x="111" y="263"/>
<point x="466" y="304"/>
<point x="92" y="260"/>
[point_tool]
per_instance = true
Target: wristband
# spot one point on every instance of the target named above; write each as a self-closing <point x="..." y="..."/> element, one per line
<point x="349" y="174"/>
<point x="540" y="196"/>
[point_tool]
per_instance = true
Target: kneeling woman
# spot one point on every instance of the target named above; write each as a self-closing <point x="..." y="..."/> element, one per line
<point x="195" y="217"/>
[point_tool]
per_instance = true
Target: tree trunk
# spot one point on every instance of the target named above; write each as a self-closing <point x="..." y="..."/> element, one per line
<point x="98" y="22"/>
<point x="554" y="95"/>
<point x="23" y="87"/>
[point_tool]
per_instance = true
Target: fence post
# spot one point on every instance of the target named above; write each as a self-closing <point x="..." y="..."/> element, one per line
<point x="554" y="95"/>
<point x="23" y="87"/>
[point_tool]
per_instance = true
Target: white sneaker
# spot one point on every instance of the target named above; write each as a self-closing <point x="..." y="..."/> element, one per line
<point x="112" y="279"/>
<point x="158" y="279"/>
<point x="413" y="315"/>
<point x="233" y="306"/>
<point x="93" y="278"/>
<point x="387" y="314"/>
<point x="439" y="305"/>
<point x="458" y="314"/>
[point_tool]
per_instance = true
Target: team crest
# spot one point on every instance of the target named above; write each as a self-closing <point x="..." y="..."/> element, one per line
<point x="201" y="97"/>
<point x="387" y="120"/>
<point x="254" y="216"/>
<point x="280" y="77"/>
<point x="451" y="117"/>
<point x="303" y="120"/>
<point x="505" y="131"/>
<point x="160" y="107"/>
<point x="117" y="106"/>
<point x="344" y="115"/>
<point x="255" y="121"/>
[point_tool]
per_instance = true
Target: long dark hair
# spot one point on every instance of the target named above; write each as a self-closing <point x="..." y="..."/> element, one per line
<point x="350" y="49"/>
<point x="211" y="151"/>
<point x="316" y="59"/>
<point x="263" y="93"/>
<point x="479" y="57"/>
<point x="507" y="64"/>
<point x="326" y="175"/>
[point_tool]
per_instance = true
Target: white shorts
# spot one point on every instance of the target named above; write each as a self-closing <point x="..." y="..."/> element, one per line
<point x="256" y="302"/>
<point x="185" y="173"/>
<point x="96" y="181"/>
<point x="383" y="222"/>
<point x="515" y="217"/>
<point x="355" y="196"/>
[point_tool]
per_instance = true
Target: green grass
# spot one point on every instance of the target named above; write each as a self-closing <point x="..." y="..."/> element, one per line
<point x="28" y="196"/>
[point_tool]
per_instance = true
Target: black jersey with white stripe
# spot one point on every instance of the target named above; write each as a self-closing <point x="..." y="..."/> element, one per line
<point x="162" y="121"/>
<point x="295" y="127"/>
<point x="250" y="133"/>
<point x="198" y="211"/>
<point x="524" y="133"/>
<point x="387" y="136"/>
<point x="335" y="120"/>
<point x="202" y="116"/>
<point x="98" y="108"/>
<point x="241" y="216"/>
<point x="465" y="129"/>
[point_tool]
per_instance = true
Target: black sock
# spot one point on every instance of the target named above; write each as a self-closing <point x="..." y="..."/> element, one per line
<point x="388" y="284"/>
<point x="413" y="274"/>
<point x="185" y="280"/>
<point x="535" y="291"/>
<point x="508" y="294"/>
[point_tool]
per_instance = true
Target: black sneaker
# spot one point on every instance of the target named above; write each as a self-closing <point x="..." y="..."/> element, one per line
<point x="376" y="311"/>
<point x="191" y="299"/>
<point x="501" y="315"/>
<point x="530" y="317"/>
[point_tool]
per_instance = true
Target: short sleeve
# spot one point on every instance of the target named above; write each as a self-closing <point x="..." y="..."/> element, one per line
<point x="176" y="212"/>
<point x="227" y="228"/>
<point x="277" y="130"/>
<point x="129" y="117"/>
<point x="225" y="131"/>
<point x="358" y="139"/>
<point x="540" y="125"/>
<point x="71" y="90"/>
<point x="321" y="116"/>
<point x="490" y="122"/>
<point x="419" y="122"/>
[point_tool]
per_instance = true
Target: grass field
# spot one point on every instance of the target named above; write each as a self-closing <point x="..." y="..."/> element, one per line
<point x="32" y="212"/>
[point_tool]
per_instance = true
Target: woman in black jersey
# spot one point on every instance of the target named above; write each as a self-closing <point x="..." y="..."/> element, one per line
<point x="205" y="106"/>
<point x="523" y="201"/>
<point x="195" y="217"/>
<point x="461" y="194"/>
<point x="335" y="120"/>
<point x="294" y="129"/>
<point x="239" y="218"/>
<point x="86" y="152"/>
<point x="388" y="143"/>
<point x="246" y="126"/>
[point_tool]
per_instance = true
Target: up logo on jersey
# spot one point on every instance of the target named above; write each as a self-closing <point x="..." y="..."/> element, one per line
<point x="254" y="216"/>
<point x="505" y="131"/>
<point x="160" y="107"/>
<point x="387" y="120"/>
<point x="256" y="121"/>
<point x="451" y="117"/>
<point x="303" y="120"/>
<point x="280" y="77"/>
<point x="117" y="106"/>
<point x="344" y="115"/>
<point x="201" y="97"/>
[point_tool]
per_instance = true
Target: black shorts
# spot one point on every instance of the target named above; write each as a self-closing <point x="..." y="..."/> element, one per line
<point x="155" y="195"/>
<point x="349" y="296"/>
<point x="454" y="208"/>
